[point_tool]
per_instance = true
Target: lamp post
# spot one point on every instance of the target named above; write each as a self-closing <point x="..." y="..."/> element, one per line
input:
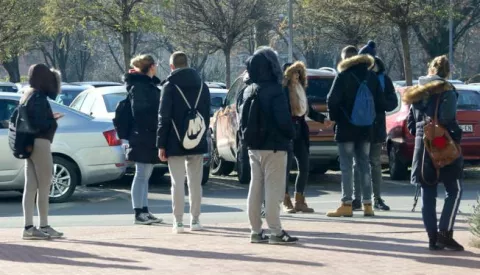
<point x="290" y="31"/>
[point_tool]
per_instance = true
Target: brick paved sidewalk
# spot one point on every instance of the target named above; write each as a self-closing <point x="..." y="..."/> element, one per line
<point x="329" y="246"/>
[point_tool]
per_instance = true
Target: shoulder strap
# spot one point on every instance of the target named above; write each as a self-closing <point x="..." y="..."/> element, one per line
<point x="185" y="99"/>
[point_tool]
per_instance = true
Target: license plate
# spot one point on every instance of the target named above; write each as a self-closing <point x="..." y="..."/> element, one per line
<point x="467" y="128"/>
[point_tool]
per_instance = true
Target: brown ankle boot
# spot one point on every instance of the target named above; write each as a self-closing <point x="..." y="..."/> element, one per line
<point x="301" y="204"/>
<point x="287" y="204"/>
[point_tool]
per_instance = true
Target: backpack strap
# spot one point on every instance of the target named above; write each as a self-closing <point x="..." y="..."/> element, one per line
<point x="183" y="96"/>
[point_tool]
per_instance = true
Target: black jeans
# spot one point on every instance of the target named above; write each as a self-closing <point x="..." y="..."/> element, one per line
<point x="301" y="154"/>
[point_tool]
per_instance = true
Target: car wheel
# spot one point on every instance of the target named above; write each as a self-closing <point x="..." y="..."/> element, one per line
<point x="206" y="175"/>
<point x="398" y="170"/>
<point x="218" y="166"/>
<point x="243" y="165"/>
<point x="319" y="170"/>
<point x="64" y="181"/>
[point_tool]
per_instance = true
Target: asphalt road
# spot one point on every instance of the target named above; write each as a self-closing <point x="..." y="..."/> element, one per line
<point x="224" y="201"/>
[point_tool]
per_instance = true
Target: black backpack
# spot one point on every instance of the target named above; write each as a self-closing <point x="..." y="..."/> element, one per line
<point x="21" y="135"/>
<point x="123" y="120"/>
<point x="253" y="127"/>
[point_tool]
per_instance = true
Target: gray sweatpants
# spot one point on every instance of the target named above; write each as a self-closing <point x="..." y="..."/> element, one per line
<point x="38" y="178"/>
<point x="268" y="169"/>
<point x="194" y="170"/>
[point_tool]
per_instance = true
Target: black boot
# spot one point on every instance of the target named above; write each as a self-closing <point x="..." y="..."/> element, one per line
<point x="445" y="240"/>
<point x="432" y="241"/>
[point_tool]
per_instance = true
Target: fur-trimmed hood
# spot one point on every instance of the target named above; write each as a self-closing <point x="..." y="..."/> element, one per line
<point x="296" y="67"/>
<point x="356" y="60"/>
<point x="418" y="93"/>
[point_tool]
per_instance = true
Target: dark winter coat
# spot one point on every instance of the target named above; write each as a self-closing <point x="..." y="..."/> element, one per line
<point x="342" y="95"/>
<point x="391" y="102"/>
<point x="173" y="106"/>
<point x="265" y="76"/>
<point x="423" y="100"/>
<point x="144" y="97"/>
<point x="40" y="113"/>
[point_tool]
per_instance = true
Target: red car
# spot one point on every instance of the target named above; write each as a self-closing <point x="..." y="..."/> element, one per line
<point x="398" y="149"/>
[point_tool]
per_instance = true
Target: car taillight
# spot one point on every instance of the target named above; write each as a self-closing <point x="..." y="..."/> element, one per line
<point x="112" y="138"/>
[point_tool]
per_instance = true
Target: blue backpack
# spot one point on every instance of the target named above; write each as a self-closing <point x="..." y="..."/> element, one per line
<point x="381" y="79"/>
<point x="363" y="112"/>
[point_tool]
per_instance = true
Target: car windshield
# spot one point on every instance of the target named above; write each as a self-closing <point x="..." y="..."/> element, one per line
<point x="468" y="100"/>
<point x="318" y="89"/>
<point x="8" y="89"/>
<point x="111" y="100"/>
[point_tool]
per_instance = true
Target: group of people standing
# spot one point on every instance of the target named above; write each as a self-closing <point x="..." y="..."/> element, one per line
<point x="162" y="131"/>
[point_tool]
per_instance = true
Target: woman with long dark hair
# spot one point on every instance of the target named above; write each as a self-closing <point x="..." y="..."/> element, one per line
<point x="44" y="84"/>
<point x="295" y="84"/>
<point x="436" y="96"/>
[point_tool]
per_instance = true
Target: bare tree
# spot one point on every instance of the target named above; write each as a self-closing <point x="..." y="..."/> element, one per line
<point x="228" y="22"/>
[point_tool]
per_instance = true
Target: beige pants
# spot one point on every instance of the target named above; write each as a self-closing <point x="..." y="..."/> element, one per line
<point x="38" y="178"/>
<point x="268" y="177"/>
<point x="193" y="166"/>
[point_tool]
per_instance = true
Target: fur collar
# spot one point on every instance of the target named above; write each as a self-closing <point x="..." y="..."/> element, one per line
<point x="296" y="67"/>
<point x="356" y="60"/>
<point x="421" y="92"/>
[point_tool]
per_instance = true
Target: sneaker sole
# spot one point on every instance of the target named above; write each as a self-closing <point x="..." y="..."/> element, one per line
<point x="35" y="238"/>
<point x="143" y="223"/>
<point x="157" y="221"/>
<point x="281" y="243"/>
<point x="259" y="242"/>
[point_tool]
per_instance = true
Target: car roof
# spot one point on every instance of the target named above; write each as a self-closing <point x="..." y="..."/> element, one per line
<point x="218" y="91"/>
<point x="324" y="71"/>
<point x="12" y="96"/>
<point x="7" y="84"/>
<point x="108" y="90"/>
<point x="74" y="87"/>
<point x="94" y="83"/>
<point x="467" y="87"/>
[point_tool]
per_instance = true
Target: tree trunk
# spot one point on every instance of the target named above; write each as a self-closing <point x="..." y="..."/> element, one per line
<point x="407" y="64"/>
<point x="11" y="66"/>
<point x="127" y="49"/>
<point x="228" y="71"/>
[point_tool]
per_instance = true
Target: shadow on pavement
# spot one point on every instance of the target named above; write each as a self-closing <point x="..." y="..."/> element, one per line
<point x="199" y="254"/>
<point x="46" y="255"/>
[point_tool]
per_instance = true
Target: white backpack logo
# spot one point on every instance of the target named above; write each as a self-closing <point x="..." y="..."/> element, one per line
<point x="195" y="124"/>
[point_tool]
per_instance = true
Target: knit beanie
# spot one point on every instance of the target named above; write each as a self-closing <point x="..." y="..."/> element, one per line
<point x="370" y="48"/>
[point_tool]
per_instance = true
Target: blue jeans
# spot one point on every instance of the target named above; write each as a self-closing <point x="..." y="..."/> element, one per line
<point x="450" y="208"/>
<point x="143" y="171"/>
<point x="358" y="152"/>
<point x="375" y="172"/>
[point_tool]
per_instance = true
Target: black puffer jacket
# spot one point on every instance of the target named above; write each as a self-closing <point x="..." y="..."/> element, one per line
<point x="173" y="106"/>
<point x="391" y="102"/>
<point x="265" y="76"/>
<point x="341" y="98"/>
<point x="423" y="99"/>
<point x="144" y="97"/>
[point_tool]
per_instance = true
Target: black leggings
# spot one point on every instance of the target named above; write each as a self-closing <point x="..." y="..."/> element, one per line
<point x="301" y="154"/>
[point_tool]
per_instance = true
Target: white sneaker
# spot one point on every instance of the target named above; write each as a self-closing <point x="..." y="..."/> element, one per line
<point x="178" y="228"/>
<point x="195" y="226"/>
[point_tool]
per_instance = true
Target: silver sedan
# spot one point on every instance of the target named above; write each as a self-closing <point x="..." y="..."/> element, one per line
<point x="85" y="151"/>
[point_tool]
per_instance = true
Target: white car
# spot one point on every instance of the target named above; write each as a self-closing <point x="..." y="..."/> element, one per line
<point x="85" y="151"/>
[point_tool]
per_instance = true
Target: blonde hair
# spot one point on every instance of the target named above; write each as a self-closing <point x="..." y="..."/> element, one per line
<point x="142" y="62"/>
<point x="439" y="66"/>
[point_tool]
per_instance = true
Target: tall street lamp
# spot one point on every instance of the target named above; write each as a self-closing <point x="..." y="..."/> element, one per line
<point x="290" y="31"/>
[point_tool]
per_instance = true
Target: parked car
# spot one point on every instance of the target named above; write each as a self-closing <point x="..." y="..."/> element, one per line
<point x="68" y="94"/>
<point x="403" y="83"/>
<point x="85" y="151"/>
<point x="218" y="85"/>
<point x="102" y="102"/>
<point x="224" y="125"/>
<point x="398" y="149"/>
<point x="8" y="87"/>
<point x="217" y="96"/>
<point x="98" y="84"/>
<point x="474" y="84"/>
